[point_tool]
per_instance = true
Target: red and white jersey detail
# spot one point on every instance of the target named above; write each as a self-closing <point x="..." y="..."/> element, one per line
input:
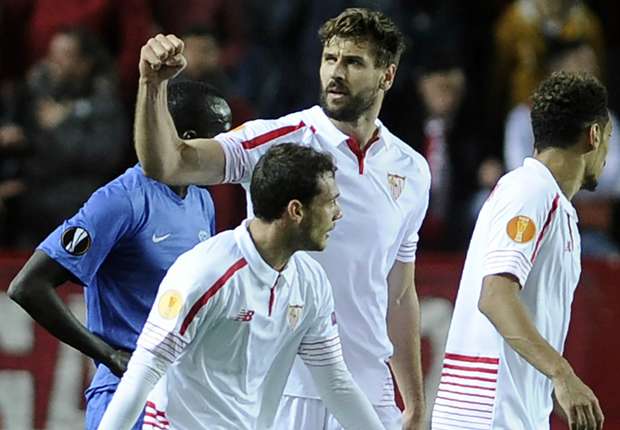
<point x="228" y="339"/>
<point x="528" y="229"/>
<point x="154" y="418"/>
<point x="384" y="196"/>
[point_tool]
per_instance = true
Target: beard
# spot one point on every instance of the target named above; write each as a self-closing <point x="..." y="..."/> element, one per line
<point x="351" y="110"/>
<point x="589" y="183"/>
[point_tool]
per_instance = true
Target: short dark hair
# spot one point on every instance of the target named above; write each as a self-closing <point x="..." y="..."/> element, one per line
<point x="367" y="25"/>
<point x="198" y="107"/>
<point x="563" y="106"/>
<point x="286" y="172"/>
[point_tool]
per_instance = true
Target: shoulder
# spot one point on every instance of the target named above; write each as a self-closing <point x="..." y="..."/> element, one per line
<point x="521" y="188"/>
<point x="310" y="271"/>
<point x="210" y="261"/>
<point x="414" y="161"/>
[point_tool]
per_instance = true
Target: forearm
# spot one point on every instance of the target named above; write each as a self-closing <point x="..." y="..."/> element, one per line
<point x="46" y="307"/>
<point x="404" y="332"/>
<point x="143" y="372"/>
<point x="503" y="307"/>
<point x="343" y="398"/>
<point x="157" y="144"/>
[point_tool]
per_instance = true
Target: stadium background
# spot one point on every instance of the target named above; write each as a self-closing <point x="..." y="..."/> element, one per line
<point x="468" y="66"/>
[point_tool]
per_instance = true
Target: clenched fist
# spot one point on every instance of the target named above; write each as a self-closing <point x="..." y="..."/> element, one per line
<point x="161" y="58"/>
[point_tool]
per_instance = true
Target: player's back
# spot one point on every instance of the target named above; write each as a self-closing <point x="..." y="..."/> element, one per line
<point x="526" y="229"/>
<point x="120" y="244"/>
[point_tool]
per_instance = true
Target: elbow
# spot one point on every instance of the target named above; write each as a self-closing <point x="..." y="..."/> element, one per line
<point x="17" y="291"/>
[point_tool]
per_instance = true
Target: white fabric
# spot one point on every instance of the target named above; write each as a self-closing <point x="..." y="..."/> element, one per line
<point x="302" y="413"/>
<point x="230" y="326"/>
<point x="384" y="197"/>
<point x="483" y="377"/>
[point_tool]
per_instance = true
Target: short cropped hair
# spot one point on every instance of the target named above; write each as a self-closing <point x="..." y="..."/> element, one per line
<point x="563" y="106"/>
<point x="198" y="107"/>
<point x="367" y="25"/>
<point x="286" y="172"/>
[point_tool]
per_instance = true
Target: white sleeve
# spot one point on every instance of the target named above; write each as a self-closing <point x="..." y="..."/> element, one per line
<point x="244" y="145"/>
<point x="143" y="372"/>
<point x="343" y="398"/>
<point x="519" y="220"/>
<point x="409" y="244"/>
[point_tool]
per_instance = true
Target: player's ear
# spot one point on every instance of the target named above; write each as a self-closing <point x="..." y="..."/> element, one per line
<point x="387" y="79"/>
<point x="593" y="137"/>
<point x="295" y="211"/>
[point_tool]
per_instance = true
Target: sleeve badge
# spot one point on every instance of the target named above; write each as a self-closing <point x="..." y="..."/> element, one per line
<point x="521" y="229"/>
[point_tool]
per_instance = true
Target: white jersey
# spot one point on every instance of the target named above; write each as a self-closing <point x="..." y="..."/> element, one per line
<point x="526" y="228"/>
<point x="231" y="326"/>
<point x="384" y="196"/>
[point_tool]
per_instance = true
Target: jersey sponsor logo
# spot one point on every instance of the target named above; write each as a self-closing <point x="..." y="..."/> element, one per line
<point x="157" y="239"/>
<point x="203" y="235"/>
<point x="521" y="229"/>
<point x="244" y="315"/>
<point x="76" y="241"/>
<point x="397" y="184"/>
<point x="293" y="315"/>
<point x="170" y="304"/>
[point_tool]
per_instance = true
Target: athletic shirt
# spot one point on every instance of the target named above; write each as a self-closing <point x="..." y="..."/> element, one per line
<point x="120" y="245"/>
<point x="384" y="196"/>
<point x="527" y="228"/>
<point x="230" y="330"/>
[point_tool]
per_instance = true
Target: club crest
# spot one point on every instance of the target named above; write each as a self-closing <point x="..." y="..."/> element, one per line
<point x="294" y="315"/>
<point x="397" y="184"/>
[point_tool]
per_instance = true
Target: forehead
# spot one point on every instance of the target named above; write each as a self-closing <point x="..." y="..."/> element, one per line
<point x="348" y="46"/>
<point x="328" y="186"/>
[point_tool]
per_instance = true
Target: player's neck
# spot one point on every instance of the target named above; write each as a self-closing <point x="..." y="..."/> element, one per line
<point x="362" y="129"/>
<point x="180" y="190"/>
<point x="271" y="243"/>
<point x="567" y="168"/>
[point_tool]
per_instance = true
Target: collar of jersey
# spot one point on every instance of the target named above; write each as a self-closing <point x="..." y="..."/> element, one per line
<point x="336" y="137"/>
<point x="539" y="167"/>
<point x="264" y="271"/>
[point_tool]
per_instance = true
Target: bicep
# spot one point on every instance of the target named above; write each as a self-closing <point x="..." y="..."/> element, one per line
<point x="202" y="162"/>
<point x="497" y="292"/>
<point x="40" y="271"/>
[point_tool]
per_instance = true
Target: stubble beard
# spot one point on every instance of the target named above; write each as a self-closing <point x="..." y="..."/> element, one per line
<point x="353" y="109"/>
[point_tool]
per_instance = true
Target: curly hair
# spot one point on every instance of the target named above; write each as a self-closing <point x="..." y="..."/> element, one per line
<point x="563" y="106"/>
<point x="286" y="172"/>
<point x="367" y="25"/>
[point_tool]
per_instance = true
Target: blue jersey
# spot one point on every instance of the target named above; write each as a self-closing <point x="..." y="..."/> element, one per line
<point x="120" y="245"/>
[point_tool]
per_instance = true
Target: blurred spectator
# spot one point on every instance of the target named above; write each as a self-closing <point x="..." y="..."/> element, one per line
<point x="436" y="122"/>
<point x="78" y="131"/>
<point x="594" y="209"/>
<point x="226" y="18"/>
<point x="122" y="25"/>
<point x="520" y="38"/>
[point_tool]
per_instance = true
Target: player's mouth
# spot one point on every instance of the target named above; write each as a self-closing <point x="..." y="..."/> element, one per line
<point x="336" y="91"/>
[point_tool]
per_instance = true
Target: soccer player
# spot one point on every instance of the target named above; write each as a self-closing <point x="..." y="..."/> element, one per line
<point x="119" y="246"/>
<point x="384" y="185"/>
<point x="503" y="357"/>
<point x="231" y="314"/>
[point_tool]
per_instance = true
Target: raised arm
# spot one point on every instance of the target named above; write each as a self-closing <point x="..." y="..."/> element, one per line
<point x="500" y="303"/>
<point x="34" y="289"/>
<point x="162" y="153"/>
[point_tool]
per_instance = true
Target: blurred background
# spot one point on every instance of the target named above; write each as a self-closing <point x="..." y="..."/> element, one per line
<point x="68" y="77"/>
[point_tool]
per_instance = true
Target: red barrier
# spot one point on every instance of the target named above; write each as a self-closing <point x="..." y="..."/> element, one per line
<point x="41" y="381"/>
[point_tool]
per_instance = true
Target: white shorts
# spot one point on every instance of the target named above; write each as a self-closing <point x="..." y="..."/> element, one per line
<point x="300" y="413"/>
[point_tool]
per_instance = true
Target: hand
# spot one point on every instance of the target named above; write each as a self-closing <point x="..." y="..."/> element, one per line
<point x="118" y="362"/>
<point x="414" y="420"/>
<point x="162" y="58"/>
<point x="578" y="403"/>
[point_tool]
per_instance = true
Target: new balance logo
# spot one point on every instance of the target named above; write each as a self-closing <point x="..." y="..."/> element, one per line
<point x="244" y="315"/>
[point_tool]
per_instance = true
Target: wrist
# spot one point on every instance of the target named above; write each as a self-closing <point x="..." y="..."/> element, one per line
<point x="560" y="370"/>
